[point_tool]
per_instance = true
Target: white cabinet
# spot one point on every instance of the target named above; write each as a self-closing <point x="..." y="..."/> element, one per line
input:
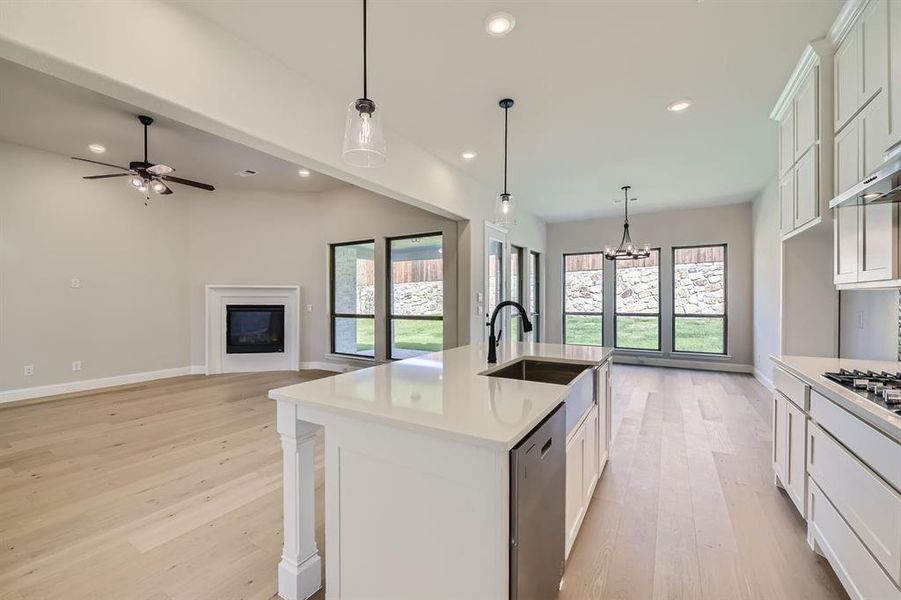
<point x="787" y="202"/>
<point x="780" y="436"/>
<point x="893" y="89"/>
<point x="845" y="243"/>
<point x="847" y="73"/>
<point x="806" y="114"/>
<point x="590" y="463"/>
<point x="604" y="413"/>
<point x="860" y="62"/>
<point x="787" y="142"/>
<point x="807" y="206"/>
<point x="790" y="437"/>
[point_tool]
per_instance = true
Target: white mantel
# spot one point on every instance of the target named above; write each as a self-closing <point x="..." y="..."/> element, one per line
<point x="218" y="297"/>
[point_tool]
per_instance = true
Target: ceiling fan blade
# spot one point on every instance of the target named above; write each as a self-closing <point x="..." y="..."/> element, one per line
<point x="203" y="186"/>
<point x="160" y="170"/>
<point x="166" y="191"/>
<point x="97" y="162"/>
<point x="105" y="176"/>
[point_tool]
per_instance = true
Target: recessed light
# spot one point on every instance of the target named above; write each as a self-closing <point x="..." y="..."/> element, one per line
<point x="304" y="172"/>
<point x="97" y="148"/>
<point x="499" y="23"/>
<point x="468" y="155"/>
<point x="679" y="105"/>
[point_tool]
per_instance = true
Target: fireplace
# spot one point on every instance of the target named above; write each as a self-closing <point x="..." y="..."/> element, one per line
<point x="254" y="328"/>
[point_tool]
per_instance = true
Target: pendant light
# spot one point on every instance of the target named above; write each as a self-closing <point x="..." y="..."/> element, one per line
<point x="364" y="144"/>
<point x="627" y="250"/>
<point x="503" y="213"/>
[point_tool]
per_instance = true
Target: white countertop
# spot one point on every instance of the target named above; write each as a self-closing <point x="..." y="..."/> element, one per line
<point x="810" y="369"/>
<point x="444" y="392"/>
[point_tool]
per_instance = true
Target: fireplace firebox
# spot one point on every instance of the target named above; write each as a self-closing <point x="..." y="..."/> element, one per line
<point x="254" y="328"/>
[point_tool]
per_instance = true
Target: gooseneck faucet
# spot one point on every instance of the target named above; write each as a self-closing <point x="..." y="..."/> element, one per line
<point x="492" y="340"/>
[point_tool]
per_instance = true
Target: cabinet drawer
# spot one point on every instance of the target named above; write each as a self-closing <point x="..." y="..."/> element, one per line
<point x="870" y="506"/>
<point x="878" y="451"/>
<point x="792" y="388"/>
<point x="855" y="567"/>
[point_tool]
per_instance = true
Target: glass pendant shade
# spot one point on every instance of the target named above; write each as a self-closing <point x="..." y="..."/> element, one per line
<point x="364" y="143"/>
<point x="504" y="211"/>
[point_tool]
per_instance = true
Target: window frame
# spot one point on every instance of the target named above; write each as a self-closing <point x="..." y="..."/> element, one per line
<point x="563" y="310"/>
<point x="617" y="314"/>
<point x="334" y="316"/>
<point x="389" y="284"/>
<point x="724" y="316"/>
<point x="535" y="311"/>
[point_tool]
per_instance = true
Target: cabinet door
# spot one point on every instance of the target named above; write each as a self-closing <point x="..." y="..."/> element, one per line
<point x="877" y="248"/>
<point x="603" y="415"/>
<point x="846" y="219"/>
<point x="847" y="158"/>
<point x="806" y="129"/>
<point x="787" y="202"/>
<point x="872" y="129"/>
<point x="575" y="453"/>
<point x="893" y="88"/>
<point x="590" y="457"/>
<point x="786" y="141"/>
<point x="796" y="458"/>
<point x="807" y="204"/>
<point x="873" y="27"/>
<point x="780" y="436"/>
<point x="847" y="76"/>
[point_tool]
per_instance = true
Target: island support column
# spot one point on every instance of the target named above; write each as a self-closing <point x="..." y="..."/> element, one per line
<point x="300" y="570"/>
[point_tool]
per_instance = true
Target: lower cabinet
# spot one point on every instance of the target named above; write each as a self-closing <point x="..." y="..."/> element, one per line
<point x="790" y="449"/>
<point x="582" y="471"/>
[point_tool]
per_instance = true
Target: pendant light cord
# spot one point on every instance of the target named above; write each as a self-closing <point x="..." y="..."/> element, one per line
<point x="506" y="113"/>
<point x="365" y="91"/>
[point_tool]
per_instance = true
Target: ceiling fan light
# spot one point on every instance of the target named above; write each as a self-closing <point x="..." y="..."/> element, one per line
<point x="135" y="181"/>
<point x="158" y="187"/>
<point x="364" y="143"/>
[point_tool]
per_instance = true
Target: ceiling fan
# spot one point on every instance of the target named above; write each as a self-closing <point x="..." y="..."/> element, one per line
<point x="144" y="176"/>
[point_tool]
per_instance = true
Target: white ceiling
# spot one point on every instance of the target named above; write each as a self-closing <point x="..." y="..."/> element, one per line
<point x="47" y="113"/>
<point x="591" y="82"/>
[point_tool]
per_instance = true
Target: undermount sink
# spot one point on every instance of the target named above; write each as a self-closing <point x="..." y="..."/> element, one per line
<point x="579" y="398"/>
<point x="543" y="371"/>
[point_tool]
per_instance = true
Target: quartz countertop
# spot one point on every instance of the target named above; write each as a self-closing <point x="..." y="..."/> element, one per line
<point x="810" y="369"/>
<point x="447" y="393"/>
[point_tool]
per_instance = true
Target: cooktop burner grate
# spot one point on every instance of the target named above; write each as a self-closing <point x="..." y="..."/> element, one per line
<point x="881" y="387"/>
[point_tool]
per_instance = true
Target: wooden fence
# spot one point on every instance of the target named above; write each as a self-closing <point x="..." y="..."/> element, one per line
<point x="403" y="271"/>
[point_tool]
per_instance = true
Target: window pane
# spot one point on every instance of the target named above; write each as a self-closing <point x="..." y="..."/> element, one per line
<point x="699" y="277"/>
<point x="638" y="333"/>
<point x="355" y="336"/>
<point x="583" y="283"/>
<point x="415" y="337"/>
<point x="495" y="274"/>
<point x="533" y="282"/>
<point x="638" y="285"/>
<point x="354" y="277"/>
<point x="586" y="330"/>
<point x="699" y="334"/>
<point x="515" y="281"/>
<point x="515" y="329"/>
<point x="417" y="276"/>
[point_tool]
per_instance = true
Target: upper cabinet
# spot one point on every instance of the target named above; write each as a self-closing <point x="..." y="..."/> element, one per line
<point x="804" y="114"/>
<point x="860" y="62"/>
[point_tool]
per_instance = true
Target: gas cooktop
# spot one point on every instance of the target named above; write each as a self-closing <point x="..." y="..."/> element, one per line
<point x="883" y="388"/>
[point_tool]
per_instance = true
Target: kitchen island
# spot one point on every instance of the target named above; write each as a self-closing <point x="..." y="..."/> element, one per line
<point x="417" y="471"/>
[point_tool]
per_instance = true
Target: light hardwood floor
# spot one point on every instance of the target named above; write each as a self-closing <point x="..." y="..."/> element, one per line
<point x="172" y="490"/>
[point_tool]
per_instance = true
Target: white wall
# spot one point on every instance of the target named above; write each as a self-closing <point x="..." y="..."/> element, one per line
<point x="142" y="269"/>
<point x="767" y="251"/>
<point x="130" y="313"/>
<point x="869" y="324"/>
<point x="729" y="224"/>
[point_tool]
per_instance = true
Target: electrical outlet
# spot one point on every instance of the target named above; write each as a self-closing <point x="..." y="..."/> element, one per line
<point x="76" y="365"/>
<point x="29" y="370"/>
<point x="76" y="283"/>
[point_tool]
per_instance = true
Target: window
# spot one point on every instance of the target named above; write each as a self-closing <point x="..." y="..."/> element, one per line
<point x="353" y="298"/>
<point x="534" y="294"/>
<point x="637" y="320"/>
<point x="516" y="291"/>
<point x="583" y="299"/>
<point x="495" y="274"/>
<point x="699" y="299"/>
<point x="415" y="295"/>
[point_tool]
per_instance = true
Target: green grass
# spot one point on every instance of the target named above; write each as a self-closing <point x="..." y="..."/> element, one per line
<point x="699" y="335"/>
<point x="692" y="335"/>
<point x="423" y="336"/>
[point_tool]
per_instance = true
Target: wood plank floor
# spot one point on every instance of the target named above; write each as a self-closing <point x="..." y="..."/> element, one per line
<point x="172" y="490"/>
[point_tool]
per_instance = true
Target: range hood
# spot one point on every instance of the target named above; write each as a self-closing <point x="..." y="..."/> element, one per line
<point x="884" y="185"/>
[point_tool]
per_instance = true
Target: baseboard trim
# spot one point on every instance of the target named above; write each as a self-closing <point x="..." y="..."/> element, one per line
<point x="763" y="379"/>
<point x="324" y="366"/>
<point x="84" y="385"/>
<point x="676" y="363"/>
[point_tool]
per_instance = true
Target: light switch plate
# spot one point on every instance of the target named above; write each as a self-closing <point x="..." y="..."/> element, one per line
<point x="76" y="283"/>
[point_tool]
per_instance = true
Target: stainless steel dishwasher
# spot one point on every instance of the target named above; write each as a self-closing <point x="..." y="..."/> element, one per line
<point x="537" y="510"/>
